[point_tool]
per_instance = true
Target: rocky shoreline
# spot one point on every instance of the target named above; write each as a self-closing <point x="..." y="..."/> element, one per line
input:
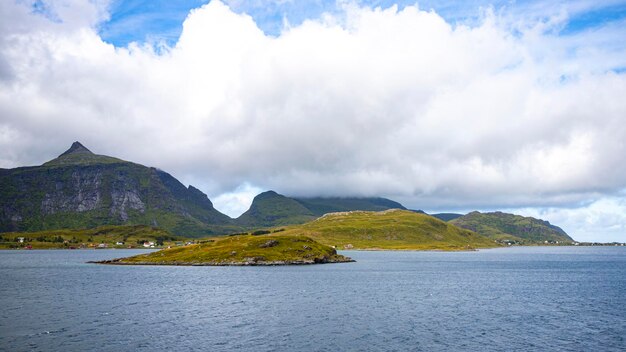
<point x="251" y="262"/>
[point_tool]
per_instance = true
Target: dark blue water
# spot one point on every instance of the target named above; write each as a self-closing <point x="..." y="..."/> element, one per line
<point x="513" y="299"/>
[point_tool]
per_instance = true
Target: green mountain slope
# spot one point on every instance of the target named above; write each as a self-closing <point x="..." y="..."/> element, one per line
<point x="80" y="189"/>
<point x="323" y="205"/>
<point x="503" y="226"/>
<point x="78" y="154"/>
<point x="272" y="209"/>
<point x="390" y="229"/>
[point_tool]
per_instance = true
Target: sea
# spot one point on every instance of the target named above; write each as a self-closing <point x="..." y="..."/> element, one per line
<point x="506" y="299"/>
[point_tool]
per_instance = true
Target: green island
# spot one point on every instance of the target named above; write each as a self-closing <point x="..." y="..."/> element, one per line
<point x="241" y="250"/>
<point x="315" y="242"/>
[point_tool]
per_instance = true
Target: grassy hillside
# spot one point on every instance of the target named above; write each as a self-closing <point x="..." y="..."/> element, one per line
<point x="242" y="250"/>
<point x="272" y="209"/>
<point x="509" y="227"/>
<point x="130" y="235"/>
<point x="390" y="229"/>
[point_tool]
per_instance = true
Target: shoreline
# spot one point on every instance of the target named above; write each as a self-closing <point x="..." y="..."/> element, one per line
<point x="246" y="263"/>
<point x="351" y="249"/>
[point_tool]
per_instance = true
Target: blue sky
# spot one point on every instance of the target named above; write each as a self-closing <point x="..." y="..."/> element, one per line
<point x="161" y="20"/>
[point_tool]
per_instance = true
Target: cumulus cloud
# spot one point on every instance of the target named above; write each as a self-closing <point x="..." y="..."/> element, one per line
<point x="238" y="201"/>
<point x="364" y="101"/>
<point x="602" y="220"/>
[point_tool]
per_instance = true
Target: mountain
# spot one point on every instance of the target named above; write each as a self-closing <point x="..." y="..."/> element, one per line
<point x="446" y="216"/>
<point x="389" y="229"/>
<point x="323" y="205"/>
<point x="272" y="209"/>
<point x="503" y="226"/>
<point x="80" y="189"/>
<point x="78" y="154"/>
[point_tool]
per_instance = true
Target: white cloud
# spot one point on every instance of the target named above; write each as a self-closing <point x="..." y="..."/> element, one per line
<point x="599" y="220"/>
<point x="238" y="201"/>
<point x="362" y="102"/>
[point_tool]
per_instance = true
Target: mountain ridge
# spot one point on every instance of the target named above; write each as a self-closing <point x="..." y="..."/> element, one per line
<point x="80" y="189"/>
<point x="269" y="208"/>
<point x="78" y="154"/>
<point x="272" y="209"/>
<point x="511" y="228"/>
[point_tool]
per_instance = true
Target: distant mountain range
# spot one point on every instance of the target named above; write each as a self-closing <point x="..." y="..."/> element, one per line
<point x="80" y="189"/>
<point x="270" y="209"/>
<point x="509" y="227"/>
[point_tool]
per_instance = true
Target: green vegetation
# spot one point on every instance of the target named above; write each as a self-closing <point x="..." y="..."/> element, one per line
<point x="272" y="209"/>
<point x="242" y="250"/>
<point x="512" y="228"/>
<point x="80" y="189"/>
<point x="83" y="190"/>
<point x="133" y="236"/>
<point x="79" y="155"/>
<point x="390" y="229"/>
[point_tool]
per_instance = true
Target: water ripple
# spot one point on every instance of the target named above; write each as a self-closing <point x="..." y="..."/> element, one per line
<point x="522" y="299"/>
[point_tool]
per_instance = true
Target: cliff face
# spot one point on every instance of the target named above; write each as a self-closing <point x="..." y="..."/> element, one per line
<point x="80" y="189"/>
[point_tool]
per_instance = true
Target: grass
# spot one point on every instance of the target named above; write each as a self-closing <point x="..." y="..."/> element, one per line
<point x="390" y="229"/>
<point x="131" y="236"/>
<point x="272" y="209"/>
<point x="242" y="250"/>
<point x="509" y="227"/>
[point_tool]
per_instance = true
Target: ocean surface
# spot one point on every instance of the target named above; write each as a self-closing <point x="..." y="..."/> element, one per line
<point x="509" y="299"/>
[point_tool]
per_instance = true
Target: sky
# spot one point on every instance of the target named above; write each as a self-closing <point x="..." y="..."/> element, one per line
<point x="449" y="106"/>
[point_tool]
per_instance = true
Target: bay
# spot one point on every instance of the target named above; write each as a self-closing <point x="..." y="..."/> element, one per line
<point x="521" y="298"/>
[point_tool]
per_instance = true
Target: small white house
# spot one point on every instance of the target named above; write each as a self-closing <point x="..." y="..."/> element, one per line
<point x="20" y="239"/>
<point x="119" y="243"/>
<point x="148" y="244"/>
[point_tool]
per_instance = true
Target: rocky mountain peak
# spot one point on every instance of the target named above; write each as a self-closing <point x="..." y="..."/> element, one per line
<point x="77" y="148"/>
<point x="78" y="154"/>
